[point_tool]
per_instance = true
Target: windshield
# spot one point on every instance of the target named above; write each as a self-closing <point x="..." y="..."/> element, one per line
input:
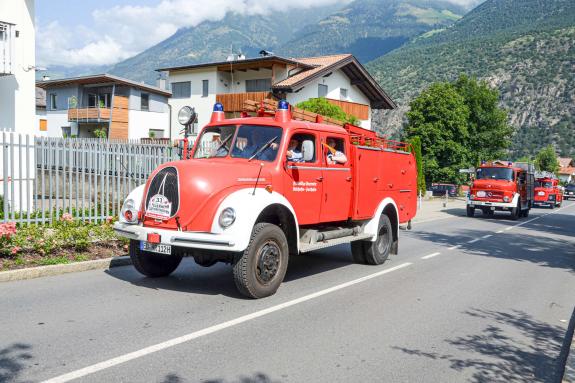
<point x="215" y="141"/>
<point x="495" y="174"/>
<point x="257" y="142"/>
<point x="543" y="184"/>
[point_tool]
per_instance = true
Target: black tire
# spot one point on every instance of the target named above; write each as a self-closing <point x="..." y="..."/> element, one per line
<point x="377" y="252"/>
<point x="150" y="264"/>
<point x="261" y="267"/>
<point x="470" y="211"/>
<point x="516" y="211"/>
<point x="526" y="213"/>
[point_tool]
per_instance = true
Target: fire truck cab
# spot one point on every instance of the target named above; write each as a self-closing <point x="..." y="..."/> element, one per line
<point x="502" y="186"/>
<point x="547" y="191"/>
<point x="254" y="190"/>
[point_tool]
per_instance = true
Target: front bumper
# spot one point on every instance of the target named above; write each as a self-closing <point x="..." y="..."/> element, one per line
<point x="497" y="205"/>
<point x="192" y="240"/>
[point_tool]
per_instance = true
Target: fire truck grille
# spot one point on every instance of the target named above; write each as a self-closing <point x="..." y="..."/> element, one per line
<point x="166" y="184"/>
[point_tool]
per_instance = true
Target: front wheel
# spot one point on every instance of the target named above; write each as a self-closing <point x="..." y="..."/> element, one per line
<point x="516" y="211"/>
<point x="470" y="211"/>
<point x="376" y="252"/>
<point x="151" y="264"/>
<point x="261" y="267"/>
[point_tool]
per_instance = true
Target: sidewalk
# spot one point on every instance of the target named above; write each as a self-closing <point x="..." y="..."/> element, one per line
<point x="432" y="210"/>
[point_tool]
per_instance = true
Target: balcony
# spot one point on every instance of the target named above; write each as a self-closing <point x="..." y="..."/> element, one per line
<point x="360" y="111"/>
<point x="89" y="114"/>
<point x="234" y="102"/>
<point x="6" y="49"/>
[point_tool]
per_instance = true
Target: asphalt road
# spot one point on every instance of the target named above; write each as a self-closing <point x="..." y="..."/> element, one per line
<point x="480" y="300"/>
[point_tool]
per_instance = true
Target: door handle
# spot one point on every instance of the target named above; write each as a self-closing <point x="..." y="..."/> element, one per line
<point x="319" y="179"/>
<point x="348" y="179"/>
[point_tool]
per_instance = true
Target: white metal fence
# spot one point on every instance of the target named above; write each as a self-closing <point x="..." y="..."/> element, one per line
<point x="43" y="178"/>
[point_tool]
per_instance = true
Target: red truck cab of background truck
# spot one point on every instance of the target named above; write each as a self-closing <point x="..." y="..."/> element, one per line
<point x="255" y="210"/>
<point x="502" y="187"/>
<point x="547" y="192"/>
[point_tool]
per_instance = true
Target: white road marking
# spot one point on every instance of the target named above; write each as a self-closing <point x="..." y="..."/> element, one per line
<point x="454" y="247"/>
<point x="210" y="330"/>
<point x="430" y="256"/>
<point x="508" y="228"/>
<point x="474" y="240"/>
<point x="487" y="236"/>
<point x="499" y="231"/>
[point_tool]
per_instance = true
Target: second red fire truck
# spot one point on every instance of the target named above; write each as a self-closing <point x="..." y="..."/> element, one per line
<point x="547" y="191"/>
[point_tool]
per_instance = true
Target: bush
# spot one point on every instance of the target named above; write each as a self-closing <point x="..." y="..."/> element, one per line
<point x="325" y="108"/>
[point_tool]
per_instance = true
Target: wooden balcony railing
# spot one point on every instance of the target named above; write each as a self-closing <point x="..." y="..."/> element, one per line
<point x="360" y="111"/>
<point x="234" y="102"/>
<point x="90" y="114"/>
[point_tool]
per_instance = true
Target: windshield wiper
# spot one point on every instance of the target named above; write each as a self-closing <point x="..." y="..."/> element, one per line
<point x="266" y="145"/>
<point x="222" y="144"/>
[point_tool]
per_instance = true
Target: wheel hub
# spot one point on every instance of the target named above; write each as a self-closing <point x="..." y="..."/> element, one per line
<point x="268" y="261"/>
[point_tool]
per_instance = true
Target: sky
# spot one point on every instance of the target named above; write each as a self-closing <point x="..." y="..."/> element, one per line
<point x="103" y="32"/>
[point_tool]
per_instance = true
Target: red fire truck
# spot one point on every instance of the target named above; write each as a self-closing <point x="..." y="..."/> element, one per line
<point x="254" y="190"/>
<point x="500" y="186"/>
<point x="547" y="191"/>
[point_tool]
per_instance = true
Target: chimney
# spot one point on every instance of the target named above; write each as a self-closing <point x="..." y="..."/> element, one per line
<point x="161" y="83"/>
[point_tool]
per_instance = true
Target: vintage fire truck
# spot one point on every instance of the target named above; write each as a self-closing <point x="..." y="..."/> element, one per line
<point x="254" y="190"/>
<point x="547" y="191"/>
<point x="502" y="186"/>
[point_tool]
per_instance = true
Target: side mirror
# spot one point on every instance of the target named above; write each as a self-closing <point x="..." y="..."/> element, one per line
<point x="307" y="149"/>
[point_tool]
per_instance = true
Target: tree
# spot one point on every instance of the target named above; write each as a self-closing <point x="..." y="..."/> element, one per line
<point x="546" y="160"/>
<point x="416" y="144"/>
<point x="325" y="108"/>
<point x="489" y="131"/>
<point x="439" y="117"/>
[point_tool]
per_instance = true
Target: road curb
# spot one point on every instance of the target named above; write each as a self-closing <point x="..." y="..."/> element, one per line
<point x="567" y="356"/>
<point x="45" y="271"/>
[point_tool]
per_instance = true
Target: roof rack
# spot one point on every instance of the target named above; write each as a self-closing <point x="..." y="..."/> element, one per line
<point x="358" y="135"/>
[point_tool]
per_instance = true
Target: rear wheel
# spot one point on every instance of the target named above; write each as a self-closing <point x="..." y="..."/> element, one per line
<point x="470" y="211"/>
<point x="260" y="268"/>
<point x="526" y="213"/>
<point x="151" y="264"/>
<point x="376" y="252"/>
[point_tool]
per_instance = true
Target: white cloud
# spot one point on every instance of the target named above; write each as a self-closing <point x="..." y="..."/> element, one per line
<point x="123" y="31"/>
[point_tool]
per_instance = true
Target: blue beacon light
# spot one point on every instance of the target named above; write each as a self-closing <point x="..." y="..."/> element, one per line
<point x="218" y="107"/>
<point x="283" y="105"/>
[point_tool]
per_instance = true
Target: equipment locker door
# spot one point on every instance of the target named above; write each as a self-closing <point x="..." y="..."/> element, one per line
<point x="304" y="181"/>
<point x="337" y="179"/>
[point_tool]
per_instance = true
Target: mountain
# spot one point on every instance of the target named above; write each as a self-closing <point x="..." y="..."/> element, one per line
<point x="215" y="40"/>
<point x="366" y="28"/>
<point x="371" y="28"/>
<point x="525" y="48"/>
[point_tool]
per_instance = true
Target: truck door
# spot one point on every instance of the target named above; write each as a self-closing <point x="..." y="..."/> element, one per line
<point x="337" y="180"/>
<point x="304" y="182"/>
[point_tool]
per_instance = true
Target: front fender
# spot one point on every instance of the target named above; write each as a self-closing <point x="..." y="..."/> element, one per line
<point x="137" y="195"/>
<point x="248" y="206"/>
<point x="373" y="224"/>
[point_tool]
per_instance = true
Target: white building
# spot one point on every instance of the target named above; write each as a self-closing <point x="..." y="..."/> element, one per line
<point x="341" y="79"/>
<point x="17" y="66"/>
<point x="121" y="108"/>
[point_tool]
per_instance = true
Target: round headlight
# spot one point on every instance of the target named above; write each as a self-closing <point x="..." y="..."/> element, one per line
<point x="186" y="115"/>
<point x="227" y="217"/>
<point x="471" y="196"/>
<point x="505" y="199"/>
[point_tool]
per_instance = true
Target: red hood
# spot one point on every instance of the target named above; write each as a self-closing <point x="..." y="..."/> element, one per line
<point x="203" y="184"/>
<point x="500" y="185"/>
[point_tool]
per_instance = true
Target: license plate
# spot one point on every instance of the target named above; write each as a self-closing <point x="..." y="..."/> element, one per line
<point x="156" y="248"/>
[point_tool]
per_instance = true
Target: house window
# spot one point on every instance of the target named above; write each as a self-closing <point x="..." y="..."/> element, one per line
<point x="91" y="100"/>
<point x="321" y="90"/>
<point x="104" y="100"/>
<point x="145" y="101"/>
<point x="43" y="125"/>
<point x="66" y="131"/>
<point x="259" y="85"/>
<point x="155" y="133"/>
<point x="181" y="89"/>
<point x="205" y="88"/>
<point x="53" y="101"/>
<point x="342" y="94"/>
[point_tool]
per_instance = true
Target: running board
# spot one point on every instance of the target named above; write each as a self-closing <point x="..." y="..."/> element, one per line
<point x="307" y="247"/>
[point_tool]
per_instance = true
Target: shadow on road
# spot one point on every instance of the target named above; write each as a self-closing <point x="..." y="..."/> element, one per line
<point x="256" y="378"/>
<point x="12" y="360"/>
<point x="513" y="347"/>
<point x="539" y="249"/>
<point x="218" y="279"/>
